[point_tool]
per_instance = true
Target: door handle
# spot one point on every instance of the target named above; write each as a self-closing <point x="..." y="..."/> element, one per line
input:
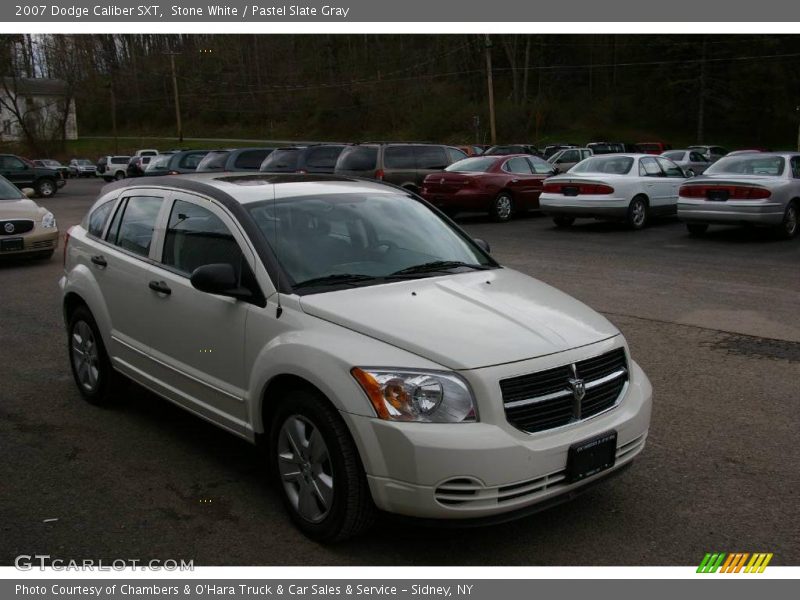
<point x="515" y="181"/>
<point x="99" y="261"/>
<point x="160" y="287"/>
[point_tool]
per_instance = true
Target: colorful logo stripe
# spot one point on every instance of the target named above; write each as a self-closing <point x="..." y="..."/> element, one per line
<point x="734" y="562"/>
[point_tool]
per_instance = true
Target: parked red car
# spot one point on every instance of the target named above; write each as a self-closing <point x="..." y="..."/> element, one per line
<point x="652" y="147"/>
<point x="499" y="185"/>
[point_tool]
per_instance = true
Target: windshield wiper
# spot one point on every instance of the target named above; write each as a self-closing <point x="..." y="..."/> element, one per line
<point x="335" y="279"/>
<point x="437" y="265"/>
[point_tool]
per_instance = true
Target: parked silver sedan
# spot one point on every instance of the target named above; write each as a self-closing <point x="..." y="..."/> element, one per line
<point x="691" y="161"/>
<point x="711" y="153"/>
<point x="758" y="189"/>
<point x="565" y="159"/>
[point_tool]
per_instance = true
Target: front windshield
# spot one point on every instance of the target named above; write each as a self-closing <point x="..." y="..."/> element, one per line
<point x="372" y="236"/>
<point x="472" y="165"/>
<point x="748" y="164"/>
<point x="84" y="162"/>
<point x="613" y="165"/>
<point x="8" y="191"/>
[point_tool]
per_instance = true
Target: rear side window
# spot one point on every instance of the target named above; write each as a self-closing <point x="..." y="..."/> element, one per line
<point x="284" y="160"/>
<point x="120" y="160"/>
<point x="431" y="157"/>
<point x="796" y="167"/>
<point x="358" y="158"/>
<point x="251" y="159"/>
<point x="99" y="217"/>
<point x="214" y="161"/>
<point x="197" y="237"/>
<point x="190" y="161"/>
<point x="133" y="224"/>
<point x="540" y="166"/>
<point x="517" y="165"/>
<point x="399" y="157"/>
<point x="648" y="167"/>
<point x="323" y="157"/>
<point x="455" y="154"/>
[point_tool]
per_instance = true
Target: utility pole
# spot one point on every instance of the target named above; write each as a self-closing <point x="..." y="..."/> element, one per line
<point x="492" y="124"/>
<point x="177" y="95"/>
<point x="798" y="128"/>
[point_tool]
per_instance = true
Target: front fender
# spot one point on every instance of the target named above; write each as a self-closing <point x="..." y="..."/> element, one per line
<point x="81" y="282"/>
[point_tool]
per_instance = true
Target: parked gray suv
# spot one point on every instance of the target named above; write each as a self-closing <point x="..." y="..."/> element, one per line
<point x="401" y="163"/>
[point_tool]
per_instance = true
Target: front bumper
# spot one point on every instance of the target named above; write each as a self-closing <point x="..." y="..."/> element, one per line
<point x="730" y="212"/>
<point x="600" y="207"/>
<point x="38" y="240"/>
<point x="489" y="468"/>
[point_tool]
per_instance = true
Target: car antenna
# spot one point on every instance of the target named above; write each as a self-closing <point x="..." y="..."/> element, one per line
<point x="279" y="309"/>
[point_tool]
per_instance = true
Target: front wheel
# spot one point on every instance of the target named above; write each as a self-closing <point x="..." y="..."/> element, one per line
<point x="45" y="188"/>
<point x="318" y="470"/>
<point x="119" y="175"/>
<point x="788" y="227"/>
<point x="638" y="213"/>
<point x="502" y="207"/>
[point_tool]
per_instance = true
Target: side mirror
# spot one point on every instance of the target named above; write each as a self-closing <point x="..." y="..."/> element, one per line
<point x="220" y="279"/>
<point x="483" y="244"/>
<point x="29" y="192"/>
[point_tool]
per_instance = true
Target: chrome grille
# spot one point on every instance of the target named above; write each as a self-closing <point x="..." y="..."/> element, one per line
<point x="552" y="398"/>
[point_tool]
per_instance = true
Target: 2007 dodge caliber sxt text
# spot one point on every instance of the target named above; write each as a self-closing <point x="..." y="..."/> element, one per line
<point x="384" y="358"/>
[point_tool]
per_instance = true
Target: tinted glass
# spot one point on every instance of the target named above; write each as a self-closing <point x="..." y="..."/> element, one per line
<point x="796" y="167"/>
<point x="251" y="159"/>
<point x="214" y="161"/>
<point x="365" y="234"/>
<point x="399" y="157"/>
<point x="569" y="156"/>
<point x="281" y="160"/>
<point x="195" y="237"/>
<point x="120" y="160"/>
<point x="162" y="162"/>
<point x="132" y="228"/>
<point x="517" y="165"/>
<point x="670" y="168"/>
<point x="749" y="164"/>
<point x="323" y="157"/>
<point x="648" y="167"/>
<point x="615" y="165"/>
<point x="473" y="165"/>
<point x="695" y="157"/>
<point x="358" y="158"/>
<point x="191" y="160"/>
<point x="431" y="157"/>
<point x="11" y="163"/>
<point x="455" y="154"/>
<point x="677" y="155"/>
<point x="99" y="217"/>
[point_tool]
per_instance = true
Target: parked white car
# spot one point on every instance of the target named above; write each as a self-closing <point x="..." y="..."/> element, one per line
<point x="629" y="187"/>
<point x="760" y="189"/>
<point x="381" y="355"/>
<point x="691" y="161"/>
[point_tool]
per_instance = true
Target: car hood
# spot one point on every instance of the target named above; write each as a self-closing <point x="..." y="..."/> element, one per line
<point x="466" y="320"/>
<point x="20" y="209"/>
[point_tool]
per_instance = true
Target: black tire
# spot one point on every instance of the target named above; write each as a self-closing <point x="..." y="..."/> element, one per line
<point x="563" y="222"/>
<point x="119" y="175"/>
<point x="697" y="229"/>
<point x="46" y="255"/>
<point x="502" y="208"/>
<point x="638" y="215"/>
<point x="789" y="225"/>
<point x="351" y="510"/>
<point x="45" y="187"/>
<point x="108" y="381"/>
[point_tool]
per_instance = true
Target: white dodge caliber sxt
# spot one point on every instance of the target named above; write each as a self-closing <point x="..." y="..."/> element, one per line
<point x="380" y="354"/>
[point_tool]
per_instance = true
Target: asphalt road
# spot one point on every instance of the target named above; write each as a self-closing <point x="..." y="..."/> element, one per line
<point x="714" y="322"/>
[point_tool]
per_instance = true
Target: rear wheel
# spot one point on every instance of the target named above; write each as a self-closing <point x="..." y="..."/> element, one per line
<point x="45" y="188"/>
<point x="697" y="228"/>
<point x="563" y="222"/>
<point x="119" y="175"/>
<point x="318" y="469"/>
<point x="502" y="207"/>
<point x="96" y="379"/>
<point x="638" y="213"/>
<point x="789" y="226"/>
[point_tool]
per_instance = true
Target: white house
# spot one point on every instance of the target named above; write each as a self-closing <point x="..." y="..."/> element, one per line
<point x="42" y="103"/>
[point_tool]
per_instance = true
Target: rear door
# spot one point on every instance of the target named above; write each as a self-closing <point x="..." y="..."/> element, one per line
<point x="120" y="268"/>
<point x="198" y="340"/>
<point x="399" y="165"/>
<point x="656" y="185"/>
<point x="675" y="178"/>
<point x="523" y="183"/>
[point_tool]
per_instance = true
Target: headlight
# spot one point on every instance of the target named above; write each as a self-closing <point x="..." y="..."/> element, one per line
<point x="424" y="396"/>
<point x="48" y="221"/>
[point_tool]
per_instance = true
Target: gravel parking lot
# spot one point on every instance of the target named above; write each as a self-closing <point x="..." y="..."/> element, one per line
<point x="713" y="321"/>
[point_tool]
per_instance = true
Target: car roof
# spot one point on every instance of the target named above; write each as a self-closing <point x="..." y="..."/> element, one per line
<point x="244" y="188"/>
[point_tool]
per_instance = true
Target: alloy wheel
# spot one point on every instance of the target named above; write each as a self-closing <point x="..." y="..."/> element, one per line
<point x="85" y="357"/>
<point x="790" y="221"/>
<point x="46" y="189"/>
<point x="638" y="213"/>
<point x="503" y="207"/>
<point x="305" y="468"/>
